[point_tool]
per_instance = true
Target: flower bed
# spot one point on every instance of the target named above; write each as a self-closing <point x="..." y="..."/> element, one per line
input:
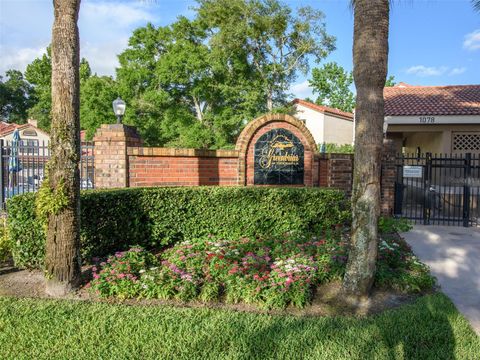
<point x="269" y="272"/>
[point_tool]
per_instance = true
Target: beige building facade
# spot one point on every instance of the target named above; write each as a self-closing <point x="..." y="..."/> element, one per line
<point x="327" y="125"/>
<point x="436" y="119"/>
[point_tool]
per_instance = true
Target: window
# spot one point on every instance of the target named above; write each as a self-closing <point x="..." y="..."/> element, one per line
<point x="29" y="132"/>
<point x="29" y="147"/>
<point x="466" y="142"/>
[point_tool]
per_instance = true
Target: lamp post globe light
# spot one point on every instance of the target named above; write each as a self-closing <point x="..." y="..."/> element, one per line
<point x="119" y="109"/>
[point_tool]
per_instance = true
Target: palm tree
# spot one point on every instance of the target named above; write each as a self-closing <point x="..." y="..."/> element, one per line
<point x="63" y="234"/>
<point x="370" y="60"/>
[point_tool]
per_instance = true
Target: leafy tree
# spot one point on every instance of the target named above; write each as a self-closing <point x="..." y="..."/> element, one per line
<point x="370" y="62"/>
<point x="39" y="74"/>
<point x="15" y="97"/>
<point x="61" y="190"/>
<point x="180" y="91"/>
<point x="390" y="81"/>
<point x="332" y="83"/>
<point x="271" y="39"/>
<point x="96" y="96"/>
<point x="197" y="82"/>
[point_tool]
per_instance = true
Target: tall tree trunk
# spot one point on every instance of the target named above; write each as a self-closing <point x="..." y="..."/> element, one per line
<point x="63" y="234"/>
<point x="198" y="109"/>
<point x="270" y="100"/>
<point x="370" y="58"/>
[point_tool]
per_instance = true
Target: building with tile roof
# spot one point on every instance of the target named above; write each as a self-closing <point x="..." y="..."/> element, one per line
<point x="327" y="125"/>
<point x="29" y="132"/>
<point x="436" y="119"/>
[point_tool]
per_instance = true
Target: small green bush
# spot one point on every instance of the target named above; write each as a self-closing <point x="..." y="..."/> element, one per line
<point x="112" y="220"/>
<point x="389" y="225"/>
<point x="331" y="148"/>
<point x="26" y="232"/>
<point x="5" y="246"/>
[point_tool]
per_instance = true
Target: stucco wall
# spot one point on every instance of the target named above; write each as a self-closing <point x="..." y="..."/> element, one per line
<point x="430" y="138"/>
<point x="314" y="121"/>
<point x="337" y="130"/>
<point x="428" y="142"/>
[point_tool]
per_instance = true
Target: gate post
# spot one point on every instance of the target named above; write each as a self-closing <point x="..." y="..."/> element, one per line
<point x="2" y="185"/>
<point x="427" y="203"/>
<point x="111" y="160"/>
<point x="466" y="189"/>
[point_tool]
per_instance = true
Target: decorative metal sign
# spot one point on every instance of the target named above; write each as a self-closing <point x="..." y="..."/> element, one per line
<point x="278" y="159"/>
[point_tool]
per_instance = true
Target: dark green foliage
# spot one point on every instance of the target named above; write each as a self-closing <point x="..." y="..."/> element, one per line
<point x="390" y="81"/>
<point x="27" y="235"/>
<point x="97" y="94"/>
<point x="112" y="220"/>
<point x="331" y="148"/>
<point x="332" y="84"/>
<point x="389" y="225"/>
<point x="15" y="97"/>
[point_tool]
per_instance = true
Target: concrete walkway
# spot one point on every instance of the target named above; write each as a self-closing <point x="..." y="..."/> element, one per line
<point x="453" y="254"/>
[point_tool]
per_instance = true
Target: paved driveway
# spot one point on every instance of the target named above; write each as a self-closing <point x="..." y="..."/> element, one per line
<point x="453" y="254"/>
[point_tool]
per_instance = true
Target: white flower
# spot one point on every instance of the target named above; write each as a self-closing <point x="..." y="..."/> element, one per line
<point x="142" y="271"/>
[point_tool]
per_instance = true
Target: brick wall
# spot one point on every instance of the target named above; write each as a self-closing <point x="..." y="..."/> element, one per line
<point x="111" y="163"/>
<point x="182" y="167"/>
<point x="121" y="161"/>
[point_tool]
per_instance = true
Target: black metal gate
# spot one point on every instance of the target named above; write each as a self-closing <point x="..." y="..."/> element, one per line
<point x="30" y="158"/>
<point x="438" y="189"/>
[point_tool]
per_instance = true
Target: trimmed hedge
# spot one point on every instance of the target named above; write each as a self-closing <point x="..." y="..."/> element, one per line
<point x="111" y="220"/>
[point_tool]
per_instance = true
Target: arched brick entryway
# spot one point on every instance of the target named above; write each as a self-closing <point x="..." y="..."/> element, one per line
<point x="260" y="126"/>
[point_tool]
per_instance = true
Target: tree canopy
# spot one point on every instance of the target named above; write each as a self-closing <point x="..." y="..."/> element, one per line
<point x="15" y="97"/>
<point x="332" y="84"/>
<point x="198" y="81"/>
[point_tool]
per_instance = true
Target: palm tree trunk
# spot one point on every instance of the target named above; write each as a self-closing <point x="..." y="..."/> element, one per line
<point x="370" y="57"/>
<point x="63" y="234"/>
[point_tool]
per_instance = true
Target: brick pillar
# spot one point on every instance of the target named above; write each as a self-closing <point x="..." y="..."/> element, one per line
<point x="389" y="176"/>
<point x="111" y="160"/>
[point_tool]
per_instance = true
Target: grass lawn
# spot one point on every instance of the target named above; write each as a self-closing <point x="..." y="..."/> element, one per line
<point x="50" y="329"/>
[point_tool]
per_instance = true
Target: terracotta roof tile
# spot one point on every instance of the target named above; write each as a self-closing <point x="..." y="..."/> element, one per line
<point x="324" y="109"/>
<point x="407" y="100"/>
<point x="7" y="127"/>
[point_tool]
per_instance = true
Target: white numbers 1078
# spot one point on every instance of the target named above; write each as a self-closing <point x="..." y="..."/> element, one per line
<point x="427" y="119"/>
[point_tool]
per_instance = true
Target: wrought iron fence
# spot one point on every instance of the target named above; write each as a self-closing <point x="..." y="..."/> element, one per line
<point x="438" y="189"/>
<point x="22" y="167"/>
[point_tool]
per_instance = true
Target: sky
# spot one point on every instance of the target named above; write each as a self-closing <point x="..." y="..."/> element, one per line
<point x="432" y="42"/>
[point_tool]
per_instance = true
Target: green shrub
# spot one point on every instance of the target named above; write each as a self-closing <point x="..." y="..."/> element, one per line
<point x="5" y="246"/>
<point x="26" y="232"/>
<point x="389" y="225"/>
<point x="112" y="220"/>
<point x="331" y="148"/>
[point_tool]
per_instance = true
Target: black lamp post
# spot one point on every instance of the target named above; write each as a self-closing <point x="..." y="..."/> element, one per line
<point x="119" y="109"/>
